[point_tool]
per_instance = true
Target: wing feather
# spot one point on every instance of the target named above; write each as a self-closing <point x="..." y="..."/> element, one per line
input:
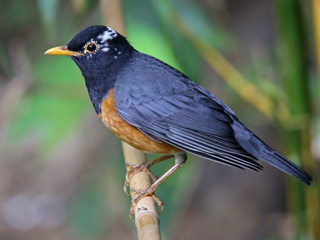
<point x="166" y="106"/>
<point x="211" y="138"/>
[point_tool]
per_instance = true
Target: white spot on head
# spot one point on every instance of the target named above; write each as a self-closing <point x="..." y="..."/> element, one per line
<point x="105" y="49"/>
<point x="107" y="35"/>
<point x="89" y="55"/>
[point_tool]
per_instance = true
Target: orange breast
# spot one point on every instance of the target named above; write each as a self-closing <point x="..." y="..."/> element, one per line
<point x="129" y="133"/>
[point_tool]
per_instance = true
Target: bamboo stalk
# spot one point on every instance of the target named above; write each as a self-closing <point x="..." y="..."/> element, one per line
<point x="305" y="204"/>
<point x="316" y="22"/>
<point x="314" y="195"/>
<point x="112" y="14"/>
<point x="146" y="215"/>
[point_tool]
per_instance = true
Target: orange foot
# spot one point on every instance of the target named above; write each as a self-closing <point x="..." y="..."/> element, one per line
<point x="139" y="194"/>
<point x="180" y="159"/>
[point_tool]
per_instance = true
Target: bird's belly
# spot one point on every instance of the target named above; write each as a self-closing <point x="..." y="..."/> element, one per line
<point x="129" y="133"/>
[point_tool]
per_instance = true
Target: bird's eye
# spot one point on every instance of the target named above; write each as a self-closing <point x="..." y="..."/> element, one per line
<point x="91" y="47"/>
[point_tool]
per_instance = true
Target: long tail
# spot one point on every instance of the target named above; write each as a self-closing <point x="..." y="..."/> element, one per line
<point x="277" y="160"/>
<point x="256" y="147"/>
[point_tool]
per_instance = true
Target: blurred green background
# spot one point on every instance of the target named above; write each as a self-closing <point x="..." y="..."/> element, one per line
<point x="61" y="171"/>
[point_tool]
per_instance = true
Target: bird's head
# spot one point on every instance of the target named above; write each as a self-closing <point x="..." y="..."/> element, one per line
<point x="94" y="48"/>
<point x="100" y="52"/>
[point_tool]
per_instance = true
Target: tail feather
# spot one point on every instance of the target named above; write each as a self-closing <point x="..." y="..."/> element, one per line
<point x="256" y="147"/>
<point x="277" y="160"/>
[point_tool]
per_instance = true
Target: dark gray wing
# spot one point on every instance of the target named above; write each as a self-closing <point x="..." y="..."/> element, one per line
<point x="167" y="106"/>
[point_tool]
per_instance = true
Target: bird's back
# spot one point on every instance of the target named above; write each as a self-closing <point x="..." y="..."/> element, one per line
<point x="165" y="105"/>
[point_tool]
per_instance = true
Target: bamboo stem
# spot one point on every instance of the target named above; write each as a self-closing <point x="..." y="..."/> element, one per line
<point x="316" y="23"/>
<point x="293" y="62"/>
<point x="146" y="215"/>
<point x="112" y="14"/>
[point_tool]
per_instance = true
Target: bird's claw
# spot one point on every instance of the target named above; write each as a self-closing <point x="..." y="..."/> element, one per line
<point x="134" y="169"/>
<point x="140" y="194"/>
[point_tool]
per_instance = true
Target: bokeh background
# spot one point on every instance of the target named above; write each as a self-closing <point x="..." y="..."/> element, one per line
<point x="62" y="172"/>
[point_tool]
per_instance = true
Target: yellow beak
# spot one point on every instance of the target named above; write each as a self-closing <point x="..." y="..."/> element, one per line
<point x="62" y="50"/>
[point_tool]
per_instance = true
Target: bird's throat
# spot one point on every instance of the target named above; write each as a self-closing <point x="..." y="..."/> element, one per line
<point x="98" y="89"/>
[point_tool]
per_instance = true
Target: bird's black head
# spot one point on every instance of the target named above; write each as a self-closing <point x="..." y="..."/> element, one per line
<point x="98" y="47"/>
<point x="100" y="52"/>
<point x="94" y="48"/>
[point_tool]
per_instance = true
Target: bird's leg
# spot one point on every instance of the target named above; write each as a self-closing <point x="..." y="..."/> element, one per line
<point x="180" y="159"/>
<point x="134" y="169"/>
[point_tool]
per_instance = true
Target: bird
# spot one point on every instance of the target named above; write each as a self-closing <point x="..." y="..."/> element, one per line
<point x="157" y="109"/>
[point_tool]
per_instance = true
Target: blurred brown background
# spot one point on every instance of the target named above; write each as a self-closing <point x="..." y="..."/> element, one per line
<point x="61" y="171"/>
